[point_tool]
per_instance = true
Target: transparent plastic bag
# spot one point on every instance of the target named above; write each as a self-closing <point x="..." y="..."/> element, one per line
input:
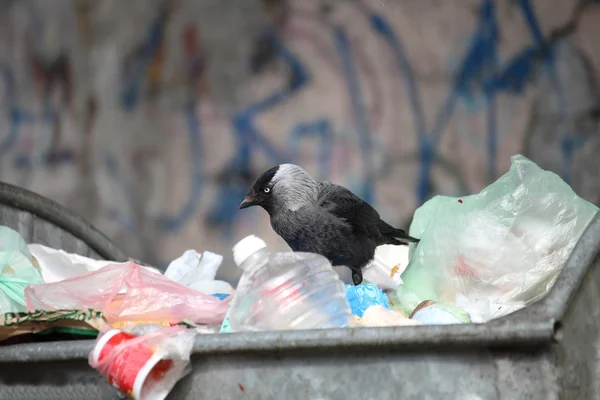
<point x="496" y="251"/>
<point x="143" y="367"/>
<point x="146" y="296"/>
<point x="16" y="271"/>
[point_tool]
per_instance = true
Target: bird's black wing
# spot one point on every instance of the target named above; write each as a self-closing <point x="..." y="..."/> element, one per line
<point x="342" y="203"/>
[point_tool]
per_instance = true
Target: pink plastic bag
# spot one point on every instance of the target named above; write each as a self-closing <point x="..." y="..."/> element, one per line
<point x="147" y="296"/>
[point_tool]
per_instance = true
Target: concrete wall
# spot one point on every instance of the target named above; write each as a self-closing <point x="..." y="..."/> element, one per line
<point x="152" y="118"/>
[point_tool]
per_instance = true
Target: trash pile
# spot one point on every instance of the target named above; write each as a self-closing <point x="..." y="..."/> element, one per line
<point x="480" y="257"/>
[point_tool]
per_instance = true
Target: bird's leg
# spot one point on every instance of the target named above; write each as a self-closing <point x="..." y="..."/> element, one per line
<point x="357" y="277"/>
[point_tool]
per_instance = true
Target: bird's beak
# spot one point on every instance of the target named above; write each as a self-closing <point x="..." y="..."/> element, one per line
<point x="249" y="201"/>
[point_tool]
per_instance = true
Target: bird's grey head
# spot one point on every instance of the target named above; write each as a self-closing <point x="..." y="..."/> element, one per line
<point x="284" y="187"/>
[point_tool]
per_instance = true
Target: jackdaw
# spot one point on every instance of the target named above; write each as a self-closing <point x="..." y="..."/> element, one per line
<point x="322" y="218"/>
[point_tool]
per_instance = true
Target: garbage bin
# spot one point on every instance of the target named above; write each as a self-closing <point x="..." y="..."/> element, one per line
<point x="40" y="220"/>
<point x="547" y="351"/>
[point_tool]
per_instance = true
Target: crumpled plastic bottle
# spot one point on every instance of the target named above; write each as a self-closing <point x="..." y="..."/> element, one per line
<point x="282" y="291"/>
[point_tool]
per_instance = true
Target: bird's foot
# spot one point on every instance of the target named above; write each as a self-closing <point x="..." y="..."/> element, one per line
<point x="357" y="277"/>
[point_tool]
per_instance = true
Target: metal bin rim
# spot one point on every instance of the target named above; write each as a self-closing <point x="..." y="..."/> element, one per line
<point x="58" y="215"/>
<point x="536" y="325"/>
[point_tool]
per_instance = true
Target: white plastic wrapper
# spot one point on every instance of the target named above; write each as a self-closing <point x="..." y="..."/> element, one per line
<point x="58" y="265"/>
<point x="198" y="272"/>
<point x="387" y="266"/>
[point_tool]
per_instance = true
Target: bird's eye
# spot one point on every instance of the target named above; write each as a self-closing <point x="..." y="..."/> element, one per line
<point x="267" y="190"/>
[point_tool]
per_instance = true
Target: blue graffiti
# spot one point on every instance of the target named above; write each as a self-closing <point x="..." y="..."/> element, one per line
<point x="481" y="70"/>
<point x="56" y="158"/>
<point x="479" y="75"/>
<point x="479" y="78"/>
<point x="426" y="146"/>
<point x="532" y="24"/>
<point x="14" y="116"/>
<point x="481" y="59"/>
<point x="321" y="129"/>
<point x="177" y="221"/>
<point x="136" y="73"/>
<point x="342" y="45"/>
<point x="46" y="156"/>
<point x="476" y="75"/>
<point x="19" y="117"/>
<point x="569" y="143"/>
<point x="126" y="220"/>
<point x="249" y="138"/>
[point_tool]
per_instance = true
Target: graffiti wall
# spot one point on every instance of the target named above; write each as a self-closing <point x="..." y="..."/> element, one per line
<point x="151" y="118"/>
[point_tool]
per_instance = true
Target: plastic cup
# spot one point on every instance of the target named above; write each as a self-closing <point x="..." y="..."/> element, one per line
<point x="136" y="370"/>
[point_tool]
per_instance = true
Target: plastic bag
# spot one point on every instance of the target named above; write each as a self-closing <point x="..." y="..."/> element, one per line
<point x="148" y="296"/>
<point x="58" y="265"/>
<point x="432" y="313"/>
<point x="198" y="272"/>
<point x="363" y="296"/>
<point x="380" y="316"/>
<point x="143" y="367"/>
<point x="387" y="266"/>
<point x="504" y="246"/>
<point x="17" y="271"/>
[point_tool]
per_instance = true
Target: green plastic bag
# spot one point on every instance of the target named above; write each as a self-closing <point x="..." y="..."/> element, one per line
<point x="495" y="252"/>
<point x="16" y="271"/>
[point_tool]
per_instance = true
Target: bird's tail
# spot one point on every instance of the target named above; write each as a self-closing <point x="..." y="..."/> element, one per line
<point x="400" y="237"/>
<point x="395" y="236"/>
